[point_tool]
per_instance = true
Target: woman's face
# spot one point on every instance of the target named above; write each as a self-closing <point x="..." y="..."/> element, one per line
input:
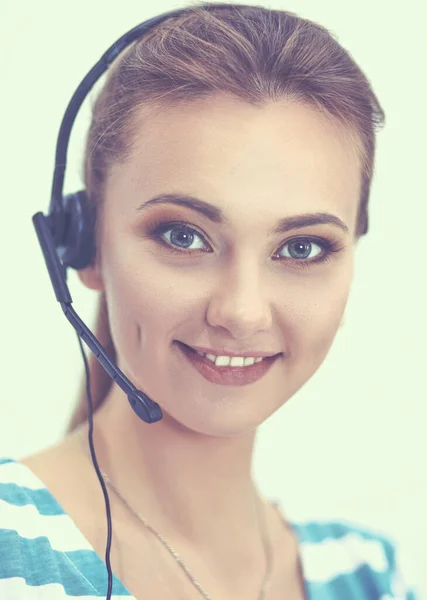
<point x="221" y="277"/>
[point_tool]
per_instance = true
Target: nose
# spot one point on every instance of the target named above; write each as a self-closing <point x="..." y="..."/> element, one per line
<point x="240" y="303"/>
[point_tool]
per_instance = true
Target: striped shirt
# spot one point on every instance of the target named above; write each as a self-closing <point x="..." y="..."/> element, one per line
<point x="44" y="556"/>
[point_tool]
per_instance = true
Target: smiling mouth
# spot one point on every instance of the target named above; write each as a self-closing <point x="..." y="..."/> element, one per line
<point x="247" y="360"/>
<point x="225" y="361"/>
<point x="227" y="374"/>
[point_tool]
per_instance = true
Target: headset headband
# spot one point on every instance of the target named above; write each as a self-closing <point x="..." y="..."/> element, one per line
<point x="86" y="85"/>
<point x="80" y="94"/>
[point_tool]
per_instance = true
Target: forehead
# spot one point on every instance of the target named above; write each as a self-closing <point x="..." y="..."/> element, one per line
<point x="226" y="150"/>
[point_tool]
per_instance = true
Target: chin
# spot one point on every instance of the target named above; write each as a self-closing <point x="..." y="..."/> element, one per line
<point x="219" y="423"/>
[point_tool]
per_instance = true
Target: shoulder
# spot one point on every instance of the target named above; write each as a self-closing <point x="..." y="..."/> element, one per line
<point x="27" y="514"/>
<point x="344" y="555"/>
<point x="24" y="499"/>
<point x="39" y="546"/>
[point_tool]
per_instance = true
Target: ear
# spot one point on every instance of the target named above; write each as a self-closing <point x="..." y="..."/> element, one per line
<point x="91" y="277"/>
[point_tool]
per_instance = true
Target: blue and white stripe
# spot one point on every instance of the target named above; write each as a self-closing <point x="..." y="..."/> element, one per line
<point x="44" y="556"/>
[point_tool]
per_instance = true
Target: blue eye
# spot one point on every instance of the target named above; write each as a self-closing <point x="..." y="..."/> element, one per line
<point x="180" y="237"/>
<point x="301" y="246"/>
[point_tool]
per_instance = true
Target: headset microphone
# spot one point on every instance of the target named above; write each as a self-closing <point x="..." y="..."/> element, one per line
<point x="145" y="408"/>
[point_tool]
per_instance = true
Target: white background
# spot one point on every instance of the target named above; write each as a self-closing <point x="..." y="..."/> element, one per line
<point x="352" y="443"/>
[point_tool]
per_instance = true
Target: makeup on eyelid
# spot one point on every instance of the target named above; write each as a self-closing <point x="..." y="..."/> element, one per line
<point x="156" y="228"/>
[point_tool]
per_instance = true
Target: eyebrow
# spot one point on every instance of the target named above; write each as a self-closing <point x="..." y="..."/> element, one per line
<point x="216" y="215"/>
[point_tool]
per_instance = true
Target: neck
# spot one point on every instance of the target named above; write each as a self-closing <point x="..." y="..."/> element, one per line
<point x="193" y="488"/>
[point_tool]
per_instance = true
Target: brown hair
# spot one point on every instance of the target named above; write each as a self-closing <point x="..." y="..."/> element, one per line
<point x="256" y="54"/>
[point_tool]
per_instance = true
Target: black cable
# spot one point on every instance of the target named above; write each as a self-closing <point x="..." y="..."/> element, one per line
<point x="98" y="472"/>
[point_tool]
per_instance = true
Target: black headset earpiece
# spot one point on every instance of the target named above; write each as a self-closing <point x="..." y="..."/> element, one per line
<point x="74" y="231"/>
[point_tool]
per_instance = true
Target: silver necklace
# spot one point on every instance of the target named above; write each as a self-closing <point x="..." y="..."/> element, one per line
<point x="265" y="538"/>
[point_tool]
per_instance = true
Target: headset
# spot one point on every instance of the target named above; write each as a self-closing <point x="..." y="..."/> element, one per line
<point x="67" y="239"/>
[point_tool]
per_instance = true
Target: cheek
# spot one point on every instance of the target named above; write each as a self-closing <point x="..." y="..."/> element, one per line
<point x="147" y="303"/>
<point x="318" y="316"/>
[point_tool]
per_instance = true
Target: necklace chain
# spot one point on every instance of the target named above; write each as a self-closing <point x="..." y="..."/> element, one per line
<point x="265" y="538"/>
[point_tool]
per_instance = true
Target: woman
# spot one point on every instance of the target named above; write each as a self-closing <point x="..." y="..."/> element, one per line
<point x="229" y="159"/>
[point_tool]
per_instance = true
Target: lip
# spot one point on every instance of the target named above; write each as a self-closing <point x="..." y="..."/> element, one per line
<point x="225" y="352"/>
<point x="227" y="375"/>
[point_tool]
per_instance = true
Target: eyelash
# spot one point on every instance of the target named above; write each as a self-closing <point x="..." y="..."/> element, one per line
<point x="329" y="246"/>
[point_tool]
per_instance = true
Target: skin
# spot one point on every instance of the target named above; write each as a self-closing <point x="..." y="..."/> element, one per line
<point x="258" y="165"/>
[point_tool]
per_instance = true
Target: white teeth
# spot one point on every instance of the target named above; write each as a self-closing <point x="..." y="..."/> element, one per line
<point x="223" y="361"/>
<point x="232" y="361"/>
